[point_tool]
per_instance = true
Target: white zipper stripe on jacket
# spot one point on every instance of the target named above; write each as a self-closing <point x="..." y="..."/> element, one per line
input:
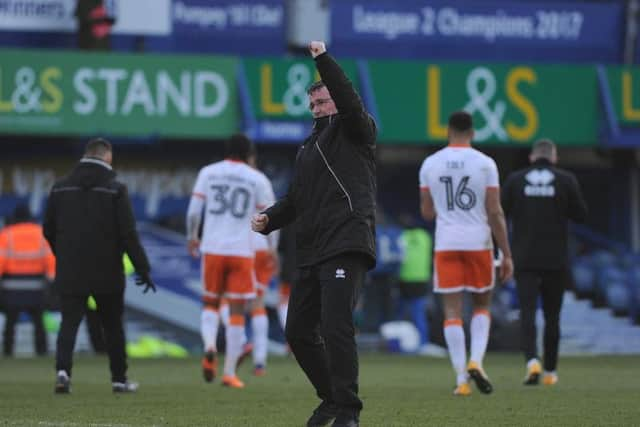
<point x="334" y="175"/>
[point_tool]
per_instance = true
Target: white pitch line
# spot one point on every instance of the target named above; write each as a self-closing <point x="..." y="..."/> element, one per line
<point x="70" y="424"/>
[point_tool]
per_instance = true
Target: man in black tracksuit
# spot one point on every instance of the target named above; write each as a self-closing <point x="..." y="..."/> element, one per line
<point x="332" y="199"/>
<point x="89" y="224"/>
<point x="540" y="200"/>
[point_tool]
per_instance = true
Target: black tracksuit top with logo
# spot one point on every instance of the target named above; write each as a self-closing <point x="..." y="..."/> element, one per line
<point x="540" y="201"/>
<point x="332" y="196"/>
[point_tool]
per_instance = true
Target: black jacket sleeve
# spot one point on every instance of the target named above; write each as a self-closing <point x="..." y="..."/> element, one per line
<point x="359" y="124"/>
<point x="282" y="213"/>
<point x="127" y="233"/>
<point x="577" y="204"/>
<point x="49" y="223"/>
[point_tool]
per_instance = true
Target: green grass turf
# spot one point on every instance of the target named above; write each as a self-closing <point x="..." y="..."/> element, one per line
<point x="397" y="391"/>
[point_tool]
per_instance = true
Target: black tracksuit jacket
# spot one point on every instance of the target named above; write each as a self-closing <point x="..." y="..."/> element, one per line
<point x="89" y="224"/>
<point x="540" y="200"/>
<point x="332" y="196"/>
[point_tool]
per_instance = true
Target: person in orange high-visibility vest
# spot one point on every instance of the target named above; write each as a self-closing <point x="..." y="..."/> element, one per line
<point x="26" y="267"/>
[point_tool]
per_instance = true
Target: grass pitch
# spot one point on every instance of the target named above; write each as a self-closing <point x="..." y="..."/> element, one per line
<point x="397" y="391"/>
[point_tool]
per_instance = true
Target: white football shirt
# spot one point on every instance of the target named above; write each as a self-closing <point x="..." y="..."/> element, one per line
<point x="457" y="178"/>
<point x="233" y="192"/>
<point x="260" y="242"/>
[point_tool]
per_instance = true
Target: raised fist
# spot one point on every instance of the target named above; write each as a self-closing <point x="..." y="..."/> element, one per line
<point x="317" y="48"/>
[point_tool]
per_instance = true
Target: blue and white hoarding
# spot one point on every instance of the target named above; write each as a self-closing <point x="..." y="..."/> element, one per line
<point x="553" y="31"/>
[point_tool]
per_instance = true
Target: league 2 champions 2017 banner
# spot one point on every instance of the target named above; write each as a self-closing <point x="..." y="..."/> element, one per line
<point x="45" y="92"/>
<point x="486" y="30"/>
<point x="511" y="104"/>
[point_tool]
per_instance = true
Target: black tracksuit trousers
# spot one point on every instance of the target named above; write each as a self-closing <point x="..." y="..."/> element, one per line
<point x="550" y="286"/>
<point x="110" y="311"/>
<point x="320" y="328"/>
<point x="40" y="335"/>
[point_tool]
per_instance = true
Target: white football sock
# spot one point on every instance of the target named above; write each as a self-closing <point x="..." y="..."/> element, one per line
<point x="236" y="338"/>
<point x="480" y="327"/>
<point x="454" y="336"/>
<point x="260" y="329"/>
<point x="224" y="314"/>
<point x="209" y="320"/>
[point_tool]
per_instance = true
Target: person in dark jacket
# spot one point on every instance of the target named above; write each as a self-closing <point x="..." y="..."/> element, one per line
<point x="540" y="200"/>
<point x="89" y="224"/>
<point x="332" y="200"/>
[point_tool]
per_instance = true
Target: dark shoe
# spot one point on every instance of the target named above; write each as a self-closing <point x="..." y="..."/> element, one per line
<point x="481" y="379"/>
<point x="323" y="414"/>
<point x="125" y="387"/>
<point x="247" y="349"/>
<point x="209" y="366"/>
<point x="63" y="383"/>
<point x="346" y="420"/>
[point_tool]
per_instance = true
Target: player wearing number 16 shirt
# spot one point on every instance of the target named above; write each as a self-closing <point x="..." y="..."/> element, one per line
<point x="459" y="187"/>
<point x="230" y="192"/>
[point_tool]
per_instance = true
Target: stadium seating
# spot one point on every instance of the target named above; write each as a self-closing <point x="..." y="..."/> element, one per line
<point x="607" y="275"/>
<point x="618" y="298"/>
<point x="584" y="277"/>
<point x="634" y="294"/>
<point x="609" y="280"/>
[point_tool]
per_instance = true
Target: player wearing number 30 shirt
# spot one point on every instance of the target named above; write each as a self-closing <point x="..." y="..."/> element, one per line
<point x="459" y="187"/>
<point x="230" y="192"/>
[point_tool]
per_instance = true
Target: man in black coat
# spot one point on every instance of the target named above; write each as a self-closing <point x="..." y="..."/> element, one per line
<point x="332" y="199"/>
<point x="89" y="224"/>
<point x="540" y="200"/>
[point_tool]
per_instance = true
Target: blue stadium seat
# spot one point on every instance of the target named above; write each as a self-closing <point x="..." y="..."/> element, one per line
<point x="618" y="298"/>
<point x="584" y="277"/>
<point x="172" y="205"/>
<point x="629" y="260"/>
<point x="603" y="258"/>
<point x="8" y="203"/>
<point x="606" y="276"/>
<point x="635" y="305"/>
<point x="633" y="282"/>
<point x="138" y="204"/>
